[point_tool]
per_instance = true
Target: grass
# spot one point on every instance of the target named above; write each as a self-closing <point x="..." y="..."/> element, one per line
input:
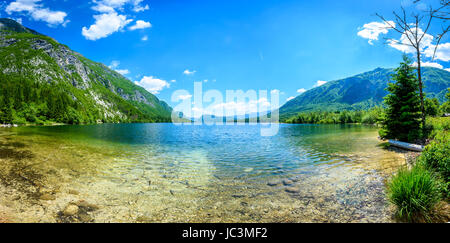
<point x="438" y="125"/>
<point x="416" y="193"/>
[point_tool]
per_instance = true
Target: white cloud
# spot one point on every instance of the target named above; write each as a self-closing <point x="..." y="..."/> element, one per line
<point x="123" y="71"/>
<point x="112" y="5"/>
<point x="187" y="72"/>
<point x="144" y="38"/>
<point x="302" y="90"/>
<point x="173" y="81"/>
<point x="105" y="25"/>
<point x="239" y="108"/>
<point x="115" y="64"/>
<point x="138" y="8"/>
<point x="36" y="11"/>
<point x="372" y="30"/>
<point x="102" y="8"/>
<point x="18" y="20"/>
<point x="184" y="97"/>
<point x="140" y="24"/>
<point x="320" y="83"/>
<point x="447" y="69"/>
<point x="251" y="106"/>
<point x="153" y="85"/>
<point x="275" y="91"/>
<point x="109" y="21"/>
<point x="290" y="98"/>
<point x="404" y="46"/>
<point x="426" y="46"/>
<point x="442" y="52"/>
<point x="428" y="64"/>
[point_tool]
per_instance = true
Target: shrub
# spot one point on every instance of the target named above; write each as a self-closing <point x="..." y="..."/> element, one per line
<point x="438" y="125"/>
<point x="436" y="158"/>
<point x="415" y="192"/>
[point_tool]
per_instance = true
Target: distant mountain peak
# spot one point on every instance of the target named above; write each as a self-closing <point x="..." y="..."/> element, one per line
<point x="12" y="25"/>
<point x="361" y="91"/>
<point x="30" y="61"/>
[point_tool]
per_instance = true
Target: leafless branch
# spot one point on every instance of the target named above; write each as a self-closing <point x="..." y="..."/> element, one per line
<point x="439" y="38"/>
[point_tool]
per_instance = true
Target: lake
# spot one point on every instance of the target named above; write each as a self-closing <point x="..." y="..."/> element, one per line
<point x="189" y="173"/>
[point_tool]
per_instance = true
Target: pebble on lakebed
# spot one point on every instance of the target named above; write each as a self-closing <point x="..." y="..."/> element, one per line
<point x="292" y="189"/>
<point x="287" y="182"/>
<point x="70" y="210"/>
<point x="274" y="183"/>
<point x="47" y="197"/>
<point x="77" y="212"/>
<point x="73" y="192"/>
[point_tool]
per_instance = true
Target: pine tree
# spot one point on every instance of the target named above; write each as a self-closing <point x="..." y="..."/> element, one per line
<point x="6" y="110"/>
<point x="402" y="117"/>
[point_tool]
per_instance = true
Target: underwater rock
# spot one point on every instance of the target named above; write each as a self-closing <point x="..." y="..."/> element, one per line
<point x="73" y="192"/>
<point x="71" y="210"/>
<point x="248" y="169"/>
<point x="47" y="197"/>
<point x="292" y="189"/>
<point x="85" y="218"/>
<point x="273" y="183"/>
<point x="287" y="182"/>
<point x="86" y="206"/>
<point x="143" y="219"/>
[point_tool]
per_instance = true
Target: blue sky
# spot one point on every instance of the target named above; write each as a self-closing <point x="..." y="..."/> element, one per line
<point x="166" y="45"/>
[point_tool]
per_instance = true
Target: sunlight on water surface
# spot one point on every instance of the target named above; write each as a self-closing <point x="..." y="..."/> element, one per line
<point x="169" y="173"/>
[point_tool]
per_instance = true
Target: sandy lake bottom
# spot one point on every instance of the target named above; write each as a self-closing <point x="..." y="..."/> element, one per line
<point x="170" y="173"/>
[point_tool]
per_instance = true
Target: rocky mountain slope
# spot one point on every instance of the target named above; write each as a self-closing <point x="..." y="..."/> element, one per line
<point x="39" y="74"/>
<point x="362" y="91"/>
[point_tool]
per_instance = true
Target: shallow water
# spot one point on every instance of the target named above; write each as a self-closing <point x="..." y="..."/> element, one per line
<point x="170" y="173"/>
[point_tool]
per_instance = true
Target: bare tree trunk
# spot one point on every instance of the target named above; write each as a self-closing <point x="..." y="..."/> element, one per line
<point x="419" y="73"/>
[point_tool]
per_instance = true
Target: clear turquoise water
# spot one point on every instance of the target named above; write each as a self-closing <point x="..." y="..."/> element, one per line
<point x="172" y="173"/>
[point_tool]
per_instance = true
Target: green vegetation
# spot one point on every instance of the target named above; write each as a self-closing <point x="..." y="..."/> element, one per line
<point x="361" y="92"/>
<point x="402" y="115"/>
<point x="371" y="116"/>
<point x="438" y="125"/>
<point x="431" y="107"/>
<point x="435" y="156"/>
<point x="43" y="82"/>
<point x="445" y="108"/>
<point x="24" y="101"/>
<point x="415" y="192"/>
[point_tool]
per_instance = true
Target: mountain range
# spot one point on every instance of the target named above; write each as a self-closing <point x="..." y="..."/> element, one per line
<point x="361" y="92"/>
<point x="87" y="91"/>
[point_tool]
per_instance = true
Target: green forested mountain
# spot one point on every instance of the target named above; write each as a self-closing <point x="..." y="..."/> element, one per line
<point x="361" y="92"/>
<point x="42" y="81"/>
